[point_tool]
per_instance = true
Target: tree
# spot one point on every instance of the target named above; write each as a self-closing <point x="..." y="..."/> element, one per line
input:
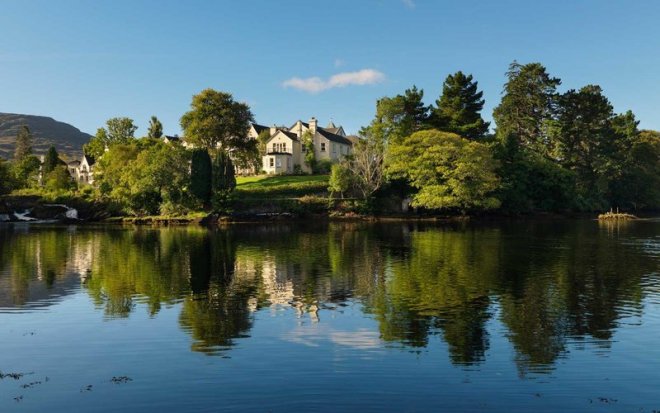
<point x="155" y="128"/>
<point x="120" y="130"/>
<point x="6" y="179"/>
<point x="458" y="108"/>
<point x="201" y="175"/>
<point x="51" y="160"/>
<point x="308" y="148"/>
<point x="23" y="144"/>
<point x="263" y="138"/>
<point x="59" y="179"/>
<point x="224" y="181"/>
<point x="216" y="119"/>
<point x="449" y="171"/>
<point x="399" y="116"/>
<point x="97" y="144"/>
<point x="366" y="164"/>
<point x="585" y="141"/>
<point x="26" y="171"/>
<point x="341" y="178"/>
<point x="529" y="103"/>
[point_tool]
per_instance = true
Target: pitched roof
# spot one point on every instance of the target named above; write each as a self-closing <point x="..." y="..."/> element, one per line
<point x="353" y="138"/>
<point x="90" y="159"/>
<point x="333" y="137"/>
<point x="333" y="130"/>
<point x="259" y="128"/>
<point x="291" y="135"/>
<point x="331" y="125"/>
<point x="172" y="138"/>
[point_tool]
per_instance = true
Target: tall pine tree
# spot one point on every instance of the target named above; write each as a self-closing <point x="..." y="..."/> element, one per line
<point x="528" y="105"/>
<point x="23" y="144"/>
<point x="155" y="128"/>
<point x="458" y="108"/>
<point x="50" y="160"/>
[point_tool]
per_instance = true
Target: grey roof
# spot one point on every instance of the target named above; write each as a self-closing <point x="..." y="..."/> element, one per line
<point x="90" y="160"/>
<point x="259" y="128"/>
<point x="333" y="137"/>
<point x="333" y="130"/>
<point x="331" y="125"/>
<point x="172" y="138"/>
<point x="74" y="163"/>
<point x="289" y="134"/>
<point x="353" y="138"/>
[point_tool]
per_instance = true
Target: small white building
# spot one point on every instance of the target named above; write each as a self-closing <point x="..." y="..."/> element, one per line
<point x="82" y="171"/>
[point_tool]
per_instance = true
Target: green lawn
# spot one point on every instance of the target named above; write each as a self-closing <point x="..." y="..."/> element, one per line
<point x="281" y="186"/>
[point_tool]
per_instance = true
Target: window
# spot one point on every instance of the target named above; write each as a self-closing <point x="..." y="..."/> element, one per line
<point x="284" y="147"/>
<point x="334" y="147"/>
<point x="322" y="146"/>
<point x="272" y="162"/>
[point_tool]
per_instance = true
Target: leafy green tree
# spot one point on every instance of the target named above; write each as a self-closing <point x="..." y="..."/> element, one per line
<point x="120" y="130"/>
<point x="224" y="181"/>
<point x="341" y="178"/>
<point x="262" y="139"/>
<point x="529" y="103"/>
<point x="155" y="128"/>
<point x="26" y="171"/>
<point x="201" y="175"/>
<point x="215" y="119"/>
<point x="6" y="178"/>
<point x="51" y="160"/>
<point x="59" y="179"/>
<point x="450" y="172"/>
<point x="23" y="144"/>
<point x="97" y="144"/>
<point x="458" y="109"/>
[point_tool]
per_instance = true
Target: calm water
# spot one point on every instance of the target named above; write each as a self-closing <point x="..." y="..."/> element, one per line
<point x="506" y="317"/>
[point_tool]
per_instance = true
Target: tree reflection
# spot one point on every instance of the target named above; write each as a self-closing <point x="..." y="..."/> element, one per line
<point x="548" y="284"/>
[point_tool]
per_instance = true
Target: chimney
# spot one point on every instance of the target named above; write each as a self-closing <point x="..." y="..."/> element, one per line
<point x="312" y="125"/>
<point x="273" y="130"/>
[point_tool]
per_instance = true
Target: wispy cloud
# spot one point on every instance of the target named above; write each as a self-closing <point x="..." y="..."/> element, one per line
<point x="339" y="63"/>
<point x="409" y="3"/>
<point x="316" y="84"/>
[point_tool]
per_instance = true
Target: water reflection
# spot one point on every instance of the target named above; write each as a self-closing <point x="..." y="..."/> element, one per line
<point x="549" y="284"/>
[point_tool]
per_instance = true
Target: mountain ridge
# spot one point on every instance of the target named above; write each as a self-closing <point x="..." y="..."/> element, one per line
<point x="46" y="131"/>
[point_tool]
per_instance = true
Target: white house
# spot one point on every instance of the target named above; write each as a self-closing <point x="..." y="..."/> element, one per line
<point x="285" y="150"/>
<point x="82" y="171"/>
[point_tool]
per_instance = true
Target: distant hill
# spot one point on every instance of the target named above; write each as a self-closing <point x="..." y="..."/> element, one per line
<point x="46" y="131"/>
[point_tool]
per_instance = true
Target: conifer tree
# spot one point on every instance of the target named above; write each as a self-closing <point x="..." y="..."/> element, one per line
<point x="458" y="108"/>
<point x="50" y="160"/>
<point x="201" y="175"/>
<point x="23" y="144"/>
<point x="155" y="128"/>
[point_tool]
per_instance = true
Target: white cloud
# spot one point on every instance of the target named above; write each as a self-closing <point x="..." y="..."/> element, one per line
<point x="316" y="84"/>
<point x="409" y="3"/>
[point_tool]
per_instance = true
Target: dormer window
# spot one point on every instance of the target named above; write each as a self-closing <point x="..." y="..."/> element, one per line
<point x="322" y="146"/>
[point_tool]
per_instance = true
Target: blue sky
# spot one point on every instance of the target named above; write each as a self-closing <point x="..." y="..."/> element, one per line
<point x="83" y="62"/>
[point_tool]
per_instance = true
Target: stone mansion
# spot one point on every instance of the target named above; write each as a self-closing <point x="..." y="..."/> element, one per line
<point x="285" y="150"/>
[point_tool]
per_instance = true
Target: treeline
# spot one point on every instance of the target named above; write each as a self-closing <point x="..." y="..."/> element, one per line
<point x="550" y="151"/>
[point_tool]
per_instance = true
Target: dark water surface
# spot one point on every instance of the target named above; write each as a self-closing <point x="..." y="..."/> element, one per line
<point x="504" y="317"/>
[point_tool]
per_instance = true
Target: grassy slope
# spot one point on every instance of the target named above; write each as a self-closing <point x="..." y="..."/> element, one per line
<point x="281" y="186"/>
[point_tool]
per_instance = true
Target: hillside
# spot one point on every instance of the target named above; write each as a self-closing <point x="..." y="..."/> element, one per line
<point x="46" y="131"/>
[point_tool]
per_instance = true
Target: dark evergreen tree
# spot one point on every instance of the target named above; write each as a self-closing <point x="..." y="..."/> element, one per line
<point x="529" y="103"/>
<point x="155" y="128"/>
<point x="51" y="160"/>
<point x="458" y="109"/>
<point x="23" y="144"/>
<point x="224" y="182"/>
<point x="201" y="175"/>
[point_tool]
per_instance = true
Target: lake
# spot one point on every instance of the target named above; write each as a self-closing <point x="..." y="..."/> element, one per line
<point x="513" y="316"/>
